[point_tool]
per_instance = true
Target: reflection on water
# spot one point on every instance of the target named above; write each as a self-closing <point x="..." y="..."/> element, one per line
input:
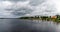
<point x="18" y="25"/>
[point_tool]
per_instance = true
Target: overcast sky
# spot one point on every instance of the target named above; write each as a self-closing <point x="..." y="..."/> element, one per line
<point x="18" y="8"/>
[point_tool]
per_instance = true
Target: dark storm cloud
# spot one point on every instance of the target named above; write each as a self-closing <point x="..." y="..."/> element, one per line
<point x="36" y="2"/>
<point x="17" y="0"/>
<point x="13" y="0"/>
<point x="20" y="11"/>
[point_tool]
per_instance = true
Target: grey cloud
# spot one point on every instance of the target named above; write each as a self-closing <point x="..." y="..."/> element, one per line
<point x="20" y="11"/>
<point x="50" y="9"/>
<point x="17" y="0"/>
<point x="14" y="0"/>
<point x="36" y="2"/>
<point x="16" y="10"/>
<point x="44" y="9"/>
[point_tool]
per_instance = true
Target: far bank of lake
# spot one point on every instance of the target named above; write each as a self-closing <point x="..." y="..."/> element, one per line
<point x="46" y="18"/>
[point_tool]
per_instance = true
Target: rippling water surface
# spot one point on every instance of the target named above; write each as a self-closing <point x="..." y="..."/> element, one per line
<point x="21" y="25"/>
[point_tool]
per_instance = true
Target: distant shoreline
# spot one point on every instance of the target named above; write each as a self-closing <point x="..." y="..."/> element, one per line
<point x="55" y="18"/>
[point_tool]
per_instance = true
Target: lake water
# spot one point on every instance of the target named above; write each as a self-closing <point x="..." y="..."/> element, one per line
<point x="20" y="25"/>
